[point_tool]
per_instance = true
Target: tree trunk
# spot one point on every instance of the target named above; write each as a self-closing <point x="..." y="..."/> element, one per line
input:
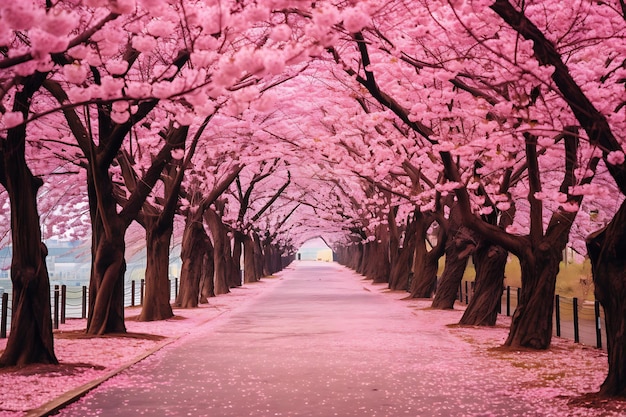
<point x="531" y="325"/>
<point x="458" y="251"/>
<point x="286" y="259"/>
<point x="277" y="259"/>
<point x="490" y="261"/>
<point x="394" y="244"/>
<point x="235" y="275"/>
<point x="272" y="258"/>
<point x="250" y="273"/>
<point x="30" y="340"/>
<point x="363" y="256"/>
<point x="426" y="263"/>
<point x="156" y="303"/>
<point x="403" y="262"/>
<point x="207" y="283"/>
<point x="379" y="266"/>
<point x="268" y="268"/>
<point x="357" y="256"/>
<point x="606" y="250"/>
<point x="221" y="247"/>
<point x="191" y="254"/>
<point x="106" y="286"/>
<point x="258" y="255"/>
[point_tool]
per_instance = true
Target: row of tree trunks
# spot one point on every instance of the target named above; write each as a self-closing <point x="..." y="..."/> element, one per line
<point x="200" y="275"/>
<point x="605" y="247"/>
<point x="272" y="261"/>
<point x="376" y="264"/>
<point x="350" y="255"/>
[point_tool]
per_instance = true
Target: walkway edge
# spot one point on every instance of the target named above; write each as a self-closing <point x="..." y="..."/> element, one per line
<point x="73" y="395"/>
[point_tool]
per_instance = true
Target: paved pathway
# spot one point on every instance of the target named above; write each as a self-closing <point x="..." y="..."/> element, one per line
<point x="319" y="343"/>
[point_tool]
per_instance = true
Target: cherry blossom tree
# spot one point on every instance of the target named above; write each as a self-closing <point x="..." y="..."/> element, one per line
<point x="602" y="245"/>
<point x="32" y="41"/>
<point x="373" y="76"/>
<point x="30" y="339"/>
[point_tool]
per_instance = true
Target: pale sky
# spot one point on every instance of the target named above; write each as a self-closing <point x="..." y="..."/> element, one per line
<point x="314" y="243"/>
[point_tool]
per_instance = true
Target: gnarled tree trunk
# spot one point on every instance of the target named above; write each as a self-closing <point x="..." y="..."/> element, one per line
<point x="156" y="305"/>
<point x="378" y="266"/>
<point x="607" y="249"/>
<point x="531" y="325"/>
<point x="221" y="252"/>
<point x="30" y="340"/>
<point x="191" y="254"/>
<point x="250" y="274"/>
<point x="426" y="262"/>
<point x="403" y="261"/>
<point x="489" y="261"/>
<point x="207" y="284"/>
<point x="235" y="276"/>
<point x="106" y="284"/>
<point x="258" y="255"/>
<point x="459" y="247"/>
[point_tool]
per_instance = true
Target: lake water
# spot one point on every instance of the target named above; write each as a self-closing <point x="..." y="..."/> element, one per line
<point x="74" y="295"/>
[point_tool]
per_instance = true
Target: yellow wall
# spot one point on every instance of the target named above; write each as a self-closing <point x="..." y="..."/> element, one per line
<point x="325" y="255"/>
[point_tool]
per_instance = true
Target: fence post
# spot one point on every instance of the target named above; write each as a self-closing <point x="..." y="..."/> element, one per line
<point x="557" y="314"/>
<point x="132" y="293"/>
<point x="176" y="288"/>
<point x="598" y="325"/>
<point x="84" y="303"/>
<point x="575" y="311"/>
<point x="508" y="300"/>
<point x="5" y="311"/>
<point x="466" y="292"/>
<point x="63" y="302"/>
<point x="143" y="283"/>
<point x="56" y="307"/>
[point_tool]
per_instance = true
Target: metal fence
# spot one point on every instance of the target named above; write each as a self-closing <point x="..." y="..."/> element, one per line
<point x="572" y="319"/>
<point x="580" y="321"/>
<point x="73" y="302"/>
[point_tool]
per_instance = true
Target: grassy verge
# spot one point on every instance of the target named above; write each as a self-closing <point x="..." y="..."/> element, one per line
<point x="573" y="280"/>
